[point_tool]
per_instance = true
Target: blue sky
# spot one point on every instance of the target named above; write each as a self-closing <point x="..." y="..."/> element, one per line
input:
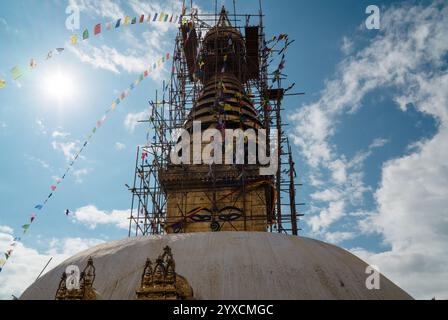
<point x="368" y="135"/>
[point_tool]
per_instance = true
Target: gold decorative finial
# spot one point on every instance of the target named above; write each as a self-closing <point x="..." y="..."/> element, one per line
<point x="85" y="291"/>
<point x="161" y="281"/>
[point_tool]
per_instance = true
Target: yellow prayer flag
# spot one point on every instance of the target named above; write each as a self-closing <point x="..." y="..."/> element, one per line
<point x="113" y="106"/>
<point x="74" y="39"/>
<point x="126" y="20"/>
<point x="2" y="83"/>
<point x="227" y="107"/>
<point x="162" y="15"/>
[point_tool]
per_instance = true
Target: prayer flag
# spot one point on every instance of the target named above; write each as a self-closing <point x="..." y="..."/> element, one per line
<point x="145" y="74"/>
<point x="2" y="83"/>
<point x="74" y="39"/>
<point x="118" y="23"/>
<point x="33" y="63"/>
<point x="113" y="106"/>
<point x="16" y="239"/>
<point x="162" y="15"/>
<point x="53" y="188"/>
<point x="33" y="216"/>
<point x="134" y="20"/>
<point x="39" y="207"/>
<point x="16" y="72"/>
<point x="168" y="56"/>
<point x="142" y="18"/>
<point x="85" y="34"/>
<point x="155" y="17"/>
<point x="59" y="50"/>
<point x="166" y="18"/>
<point x="149" y="18"/>
<point x="25" y="226"/>
<point x="108" y="25"/>
<point x="171" y="19"/>
<point x="126" y="20"/>
<point x="97" y="29"/>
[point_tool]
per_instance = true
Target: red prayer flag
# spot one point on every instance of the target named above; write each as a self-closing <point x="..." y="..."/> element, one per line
<point x="142" y="18"/>
<point x="145" y="73"/>
<point x="97" y="29"/>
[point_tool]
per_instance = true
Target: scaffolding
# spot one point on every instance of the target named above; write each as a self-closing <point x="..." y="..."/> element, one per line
<point x="171" y="109"/>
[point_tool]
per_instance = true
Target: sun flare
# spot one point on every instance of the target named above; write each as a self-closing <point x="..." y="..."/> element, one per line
<point x="59" y="86"/>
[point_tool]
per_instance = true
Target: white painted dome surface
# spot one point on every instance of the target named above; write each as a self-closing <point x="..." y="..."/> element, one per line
<point x="228" y="265"/>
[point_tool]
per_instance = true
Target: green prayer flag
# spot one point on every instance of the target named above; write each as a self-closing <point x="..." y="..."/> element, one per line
<point x="85" y="34"/>
<point x="16" y="72"/>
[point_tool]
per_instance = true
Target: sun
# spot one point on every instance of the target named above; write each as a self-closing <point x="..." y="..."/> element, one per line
<point x="59" y="86"/>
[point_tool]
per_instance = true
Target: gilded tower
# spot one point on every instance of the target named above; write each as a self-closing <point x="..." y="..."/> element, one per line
<point x="219" y="197"/>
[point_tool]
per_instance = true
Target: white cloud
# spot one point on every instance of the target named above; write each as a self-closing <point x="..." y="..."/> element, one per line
<point x="79" y="174"/>
<point x="104" y="8"/>
<point x="41" y="126"/>
<point x="25" y="264"/>
<point x="43" y="163"/>
<point x="59" y="134"/>
<point x="131" y="120"/>
<point x="6" y="229"/>
<point x="107" y="58"/>
<point x="69" y="148"/>
<point x="347" y="45"/>
<point x="327" y="216"/>
<point x="6" y="27"/>
<point x="92" y="217"/>
<point x="337" y="237"/>
<point x="409" y="56"/>
<point x="326" y="195"/>
<point x="120" y="146"/>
